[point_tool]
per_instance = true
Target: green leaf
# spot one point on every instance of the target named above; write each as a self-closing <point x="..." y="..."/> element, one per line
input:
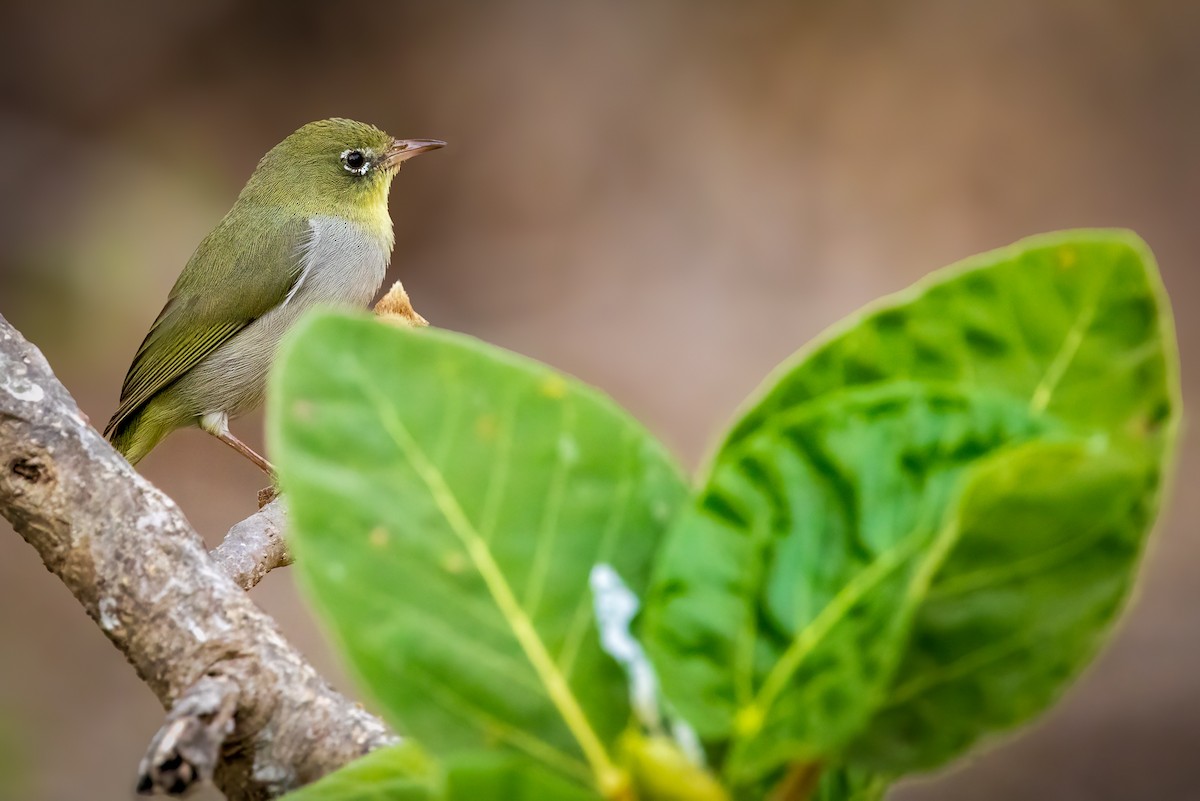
<point x="849" y="784"/>
<point x="802" y="583"/>
<point x="405" y="773"/>
<point x="448" y="500"/>
<point x="1045" y="536"/>
<point x="786" y="599"/>
<point x="1076" y="324"/>
<point x="492" y="776"/>
<point x="400" y="773"/>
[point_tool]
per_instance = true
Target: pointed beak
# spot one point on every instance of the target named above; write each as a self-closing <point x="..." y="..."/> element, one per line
<point x="404" y="149"/>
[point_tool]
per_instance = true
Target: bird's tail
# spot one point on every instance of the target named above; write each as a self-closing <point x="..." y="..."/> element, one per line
<point x="135" y="435"/>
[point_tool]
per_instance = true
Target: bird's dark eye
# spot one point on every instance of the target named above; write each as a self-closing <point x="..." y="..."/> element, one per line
<point x="356" y="161"/>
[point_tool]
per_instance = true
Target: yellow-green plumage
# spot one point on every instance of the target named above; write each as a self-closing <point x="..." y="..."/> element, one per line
<point x="310" y="227"/>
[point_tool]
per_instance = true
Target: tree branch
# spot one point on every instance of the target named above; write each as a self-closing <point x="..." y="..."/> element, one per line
<point x="255" y="546"/>
<point x="129" y="556"/>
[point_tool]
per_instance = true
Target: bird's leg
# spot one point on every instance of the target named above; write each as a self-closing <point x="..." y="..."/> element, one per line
<point x="217" y="424"/>
<point x="248" y="452"/>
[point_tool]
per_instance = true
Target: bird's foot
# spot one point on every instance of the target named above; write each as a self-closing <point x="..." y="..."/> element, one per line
<point x="267" y="494"/>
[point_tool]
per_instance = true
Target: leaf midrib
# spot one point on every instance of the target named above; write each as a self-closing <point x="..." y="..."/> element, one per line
<point x="456" y="703"/>
<point x="808" y="639"/>
<point x="557" y="689"/>
<point x="811" y="636"/>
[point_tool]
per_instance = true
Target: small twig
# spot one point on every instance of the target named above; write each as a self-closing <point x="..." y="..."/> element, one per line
<point x="187" y="748"/>
<point x="255" y="546"/>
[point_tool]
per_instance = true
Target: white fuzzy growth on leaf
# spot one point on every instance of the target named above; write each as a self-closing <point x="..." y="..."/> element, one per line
<point x="616" y="606"/>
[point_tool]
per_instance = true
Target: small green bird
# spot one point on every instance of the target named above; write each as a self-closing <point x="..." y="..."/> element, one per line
<point x="310" y="227"/>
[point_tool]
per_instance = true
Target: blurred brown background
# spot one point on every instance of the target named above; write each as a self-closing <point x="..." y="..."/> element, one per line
<point x="664" y="198"/>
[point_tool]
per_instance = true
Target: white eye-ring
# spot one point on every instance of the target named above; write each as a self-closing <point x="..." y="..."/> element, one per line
<point x="356" y="161"/>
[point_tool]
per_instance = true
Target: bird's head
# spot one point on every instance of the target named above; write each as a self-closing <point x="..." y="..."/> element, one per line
<point x="334" y="166"/>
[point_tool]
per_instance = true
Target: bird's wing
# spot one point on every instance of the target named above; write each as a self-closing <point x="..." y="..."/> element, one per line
<point x="229" y="283"/>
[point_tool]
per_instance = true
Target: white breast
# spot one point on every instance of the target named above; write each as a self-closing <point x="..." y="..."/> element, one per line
<point x="343" y="265"/>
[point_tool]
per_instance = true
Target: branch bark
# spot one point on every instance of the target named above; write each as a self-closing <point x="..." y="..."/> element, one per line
<point x="255" y="546"/>
<point x="245" y="706"/>
<point x="186" y="749"/>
